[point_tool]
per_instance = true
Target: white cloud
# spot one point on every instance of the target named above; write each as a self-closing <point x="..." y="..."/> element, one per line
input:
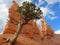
<point x="57" y="32"/>
<point x="21" y="1"/>
<point x="4" y="11"/>
<point x="52" y="1"/>
<point x="49" y="13"/>
<point x="3" y="16"/>
<point x="40" y="0"/>
<point x="1" y="1"/>
<point x="40" y="3"/>
<point x="52" y="17"/>
<point x="9" y="2"/>
<point x="44" y="10"/>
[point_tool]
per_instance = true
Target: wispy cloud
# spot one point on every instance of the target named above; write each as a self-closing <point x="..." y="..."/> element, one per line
<point x="52" y="1"/>
<point x="46" y="10"/>
<point x="52" y="17"/>
<point x="21" y="1"/>
<point x="9" y="2"/>
<point x="3" y="16"/>
<point x="39" y="3"/>
<point x="4" y="11"/>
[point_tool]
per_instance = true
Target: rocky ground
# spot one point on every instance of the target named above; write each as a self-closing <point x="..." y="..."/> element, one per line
<point x="24" y="40"/>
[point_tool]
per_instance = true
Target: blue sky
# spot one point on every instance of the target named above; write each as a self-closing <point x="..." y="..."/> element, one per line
<point x="50" y="8"/>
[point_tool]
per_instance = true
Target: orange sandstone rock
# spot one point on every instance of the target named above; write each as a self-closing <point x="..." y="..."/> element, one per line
<point x="30" y="29"/>
<point x="23" y="40"/>
<point x="46" y="30"/>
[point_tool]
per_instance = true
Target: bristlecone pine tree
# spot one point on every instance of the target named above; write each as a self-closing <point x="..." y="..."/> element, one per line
<point x="28" y="12"/>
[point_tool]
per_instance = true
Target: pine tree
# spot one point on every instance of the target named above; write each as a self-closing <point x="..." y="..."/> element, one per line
<point x="28" y="11"/>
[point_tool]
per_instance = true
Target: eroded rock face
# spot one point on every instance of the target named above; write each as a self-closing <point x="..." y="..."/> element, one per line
<point x="23" y="40"/>
<point x="30" y="29"/>
<point x="46" y="30"/>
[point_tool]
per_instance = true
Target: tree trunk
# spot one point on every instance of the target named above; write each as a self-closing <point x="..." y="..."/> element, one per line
<point x="12" y="40"/>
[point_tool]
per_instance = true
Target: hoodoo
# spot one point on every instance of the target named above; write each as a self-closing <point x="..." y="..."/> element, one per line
<point x="31" y="29"/>
<point x="46" y="30"/>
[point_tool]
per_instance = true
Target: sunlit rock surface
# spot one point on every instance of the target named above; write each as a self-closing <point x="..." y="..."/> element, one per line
<point x="24" y="40"/>
<point x="30" y="29"/>
<point x="46" y="30"/>
<point x="30" y="34"/>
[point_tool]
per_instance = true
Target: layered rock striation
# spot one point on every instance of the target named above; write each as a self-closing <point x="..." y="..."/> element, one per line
<point x="31" y="29"/>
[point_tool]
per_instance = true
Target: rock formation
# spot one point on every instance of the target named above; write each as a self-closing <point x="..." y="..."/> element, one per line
<point x="46" y="30"/>
<point x="30" y="29"/>
<point x="23" y="40"/>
